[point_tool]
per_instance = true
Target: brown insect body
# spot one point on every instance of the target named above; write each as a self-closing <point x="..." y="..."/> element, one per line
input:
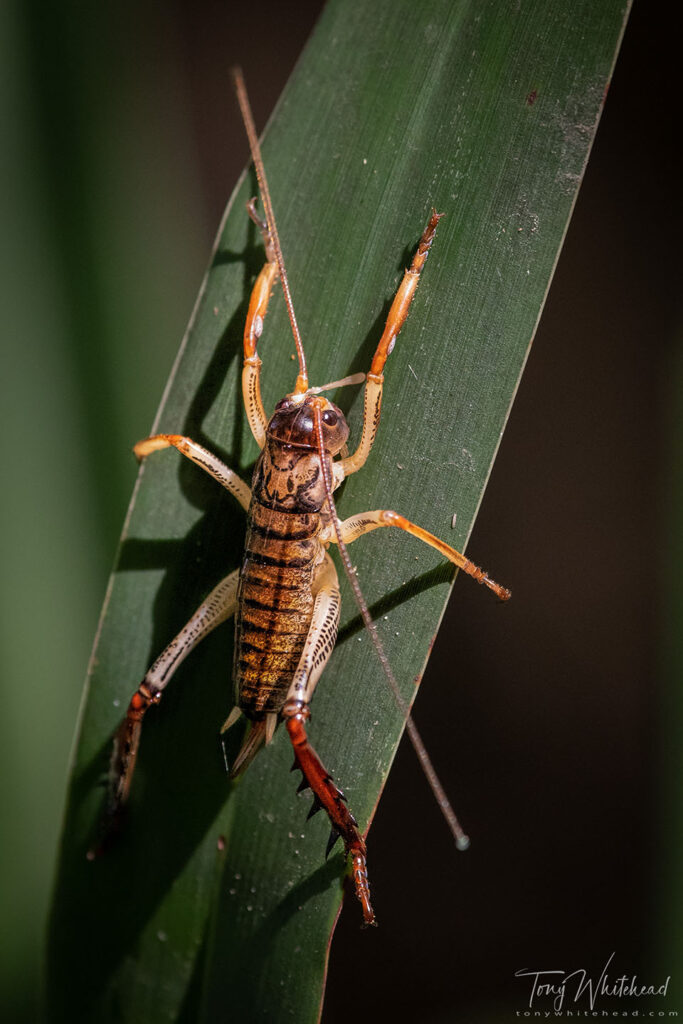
<point x="283" y="548"/>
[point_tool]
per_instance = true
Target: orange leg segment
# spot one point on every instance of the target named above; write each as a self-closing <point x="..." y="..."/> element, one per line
<point x="327" y="795"/>
<point x="375" y="379"/>
<point x="364" y="522"/>
<point x="404" y="296"/>
<point x="253" y="328"/>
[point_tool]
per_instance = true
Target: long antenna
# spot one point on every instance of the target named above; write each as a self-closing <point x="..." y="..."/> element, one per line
<point x="248" y="118"/>
<point x="461" y="840"/>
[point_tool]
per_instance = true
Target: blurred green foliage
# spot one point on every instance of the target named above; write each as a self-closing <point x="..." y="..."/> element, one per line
<point x="103" y="248"/>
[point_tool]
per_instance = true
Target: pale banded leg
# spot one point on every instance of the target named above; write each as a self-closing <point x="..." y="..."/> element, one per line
<point x="225" y="476"/>
<point x="322" y="634"/>
<point x="218" y="606"/>
<point x="253" y="328"/>
<point x="296" y="712"/>
<point x="375" y="378"/>
<point x="364" y="522"/>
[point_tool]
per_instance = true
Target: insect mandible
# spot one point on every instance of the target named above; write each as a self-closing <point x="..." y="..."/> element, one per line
<point x="285" y="598"/>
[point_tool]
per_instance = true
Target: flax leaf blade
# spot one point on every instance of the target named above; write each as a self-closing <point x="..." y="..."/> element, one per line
<point x="218" y="903"/>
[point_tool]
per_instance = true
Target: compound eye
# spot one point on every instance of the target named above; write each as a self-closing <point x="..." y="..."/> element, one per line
<point x="330" y="418"/>
<point x="284" y="403"/>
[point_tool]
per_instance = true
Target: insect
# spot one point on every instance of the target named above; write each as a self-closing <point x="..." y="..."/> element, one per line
<point x="285" y="599"/>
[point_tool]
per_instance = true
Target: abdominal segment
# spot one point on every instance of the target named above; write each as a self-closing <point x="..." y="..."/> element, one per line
<point x="275" y="605"/>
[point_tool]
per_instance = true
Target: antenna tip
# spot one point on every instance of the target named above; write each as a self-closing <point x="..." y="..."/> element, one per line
<point x="462" y="842"/>
<point x="237" y="79"/>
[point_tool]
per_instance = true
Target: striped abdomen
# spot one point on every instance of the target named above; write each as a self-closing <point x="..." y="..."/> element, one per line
<point x="275" y="604"/>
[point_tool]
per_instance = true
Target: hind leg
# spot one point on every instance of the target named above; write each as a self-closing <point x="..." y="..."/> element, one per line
<point x="330" y="797"/>
<point x="296" y="712"/>
<point x="218" y="606"/>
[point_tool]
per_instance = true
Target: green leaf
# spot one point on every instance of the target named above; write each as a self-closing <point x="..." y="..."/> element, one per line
<point x="487" y="112"/>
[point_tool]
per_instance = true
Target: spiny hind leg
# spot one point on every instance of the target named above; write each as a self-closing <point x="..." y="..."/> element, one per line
<point x="218" y="606"/>
<point x="253" y="328"/>
<point x="364" y="522"/>
<point x="327" y="795"/>
<point x="375" y="378"/>
<point x="296" y="712"/>
<point x="201" y="457"/>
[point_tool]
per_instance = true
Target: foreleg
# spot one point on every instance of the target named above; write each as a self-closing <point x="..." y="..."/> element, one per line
<point x="375" y="378"/>
<point x="218" y="606"/>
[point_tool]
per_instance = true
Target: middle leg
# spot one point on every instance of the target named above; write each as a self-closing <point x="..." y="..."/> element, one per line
<point x="364" y="522"/>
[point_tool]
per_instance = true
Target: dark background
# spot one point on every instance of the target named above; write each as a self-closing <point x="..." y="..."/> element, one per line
<point x="553" y="720"/>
